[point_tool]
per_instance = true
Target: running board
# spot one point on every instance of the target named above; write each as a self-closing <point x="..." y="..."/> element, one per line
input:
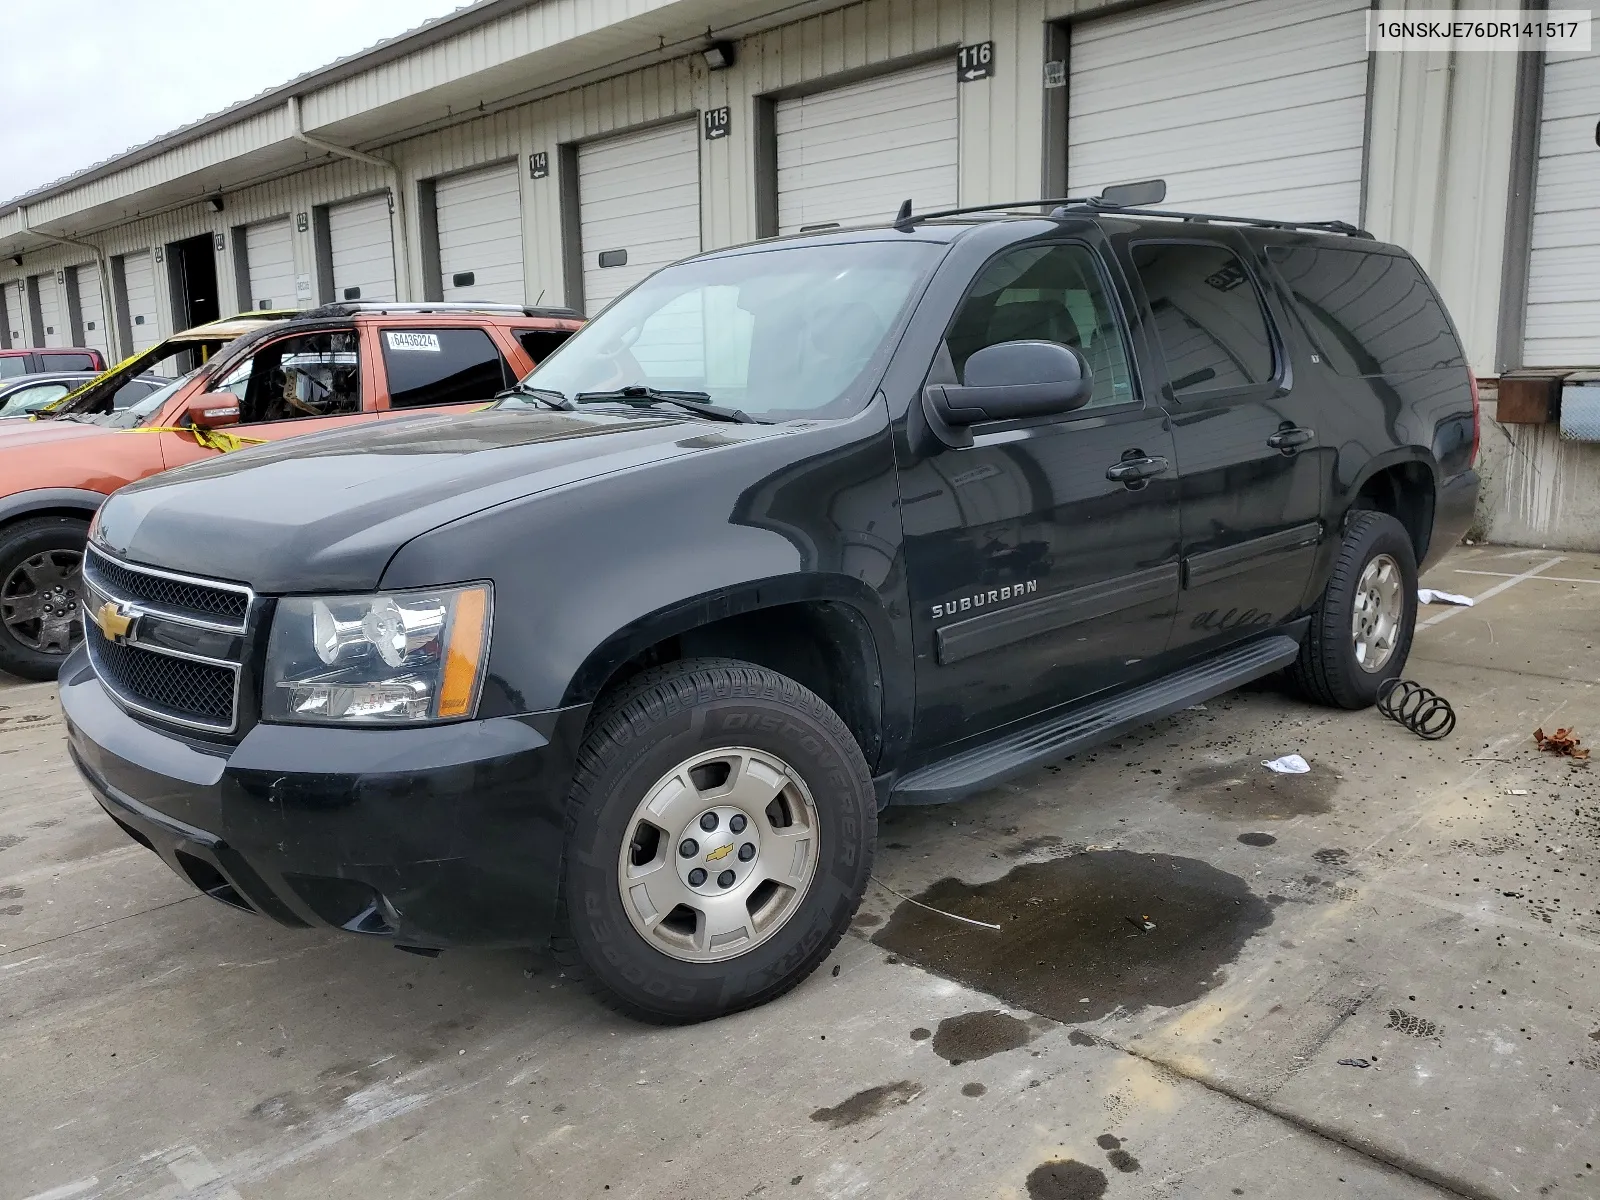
<point x="1087" y="724"/>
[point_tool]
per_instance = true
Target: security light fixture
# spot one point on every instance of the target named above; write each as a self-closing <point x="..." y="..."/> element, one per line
<point x="718" y="56"/>
<point x="216" y="204"/>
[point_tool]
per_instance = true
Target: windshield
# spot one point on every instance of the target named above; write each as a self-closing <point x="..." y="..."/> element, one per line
<point x="135" y="414"/>
<point x="780" y="333"/>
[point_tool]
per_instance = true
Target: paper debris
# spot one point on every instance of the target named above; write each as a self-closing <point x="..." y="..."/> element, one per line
<point x="1289" y="764"/>
<point x="1434" y="596"/>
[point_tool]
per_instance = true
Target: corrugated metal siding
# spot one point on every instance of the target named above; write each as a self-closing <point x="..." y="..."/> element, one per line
<point x="1563" y="318"/>
<point x="1250" y="106"/>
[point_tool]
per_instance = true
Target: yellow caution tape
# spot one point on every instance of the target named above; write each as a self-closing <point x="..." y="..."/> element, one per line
<point x="211" y="439"/>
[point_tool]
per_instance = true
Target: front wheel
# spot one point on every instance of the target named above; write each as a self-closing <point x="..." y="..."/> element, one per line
<point x="719" y="837"/>
<point x="41" y="594"/>
<point x="1361" y="626"/>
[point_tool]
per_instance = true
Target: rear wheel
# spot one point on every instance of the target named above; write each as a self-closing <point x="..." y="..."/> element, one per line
<point x="1361" y="627"/>
<point x="41" y="594"/>
<point x="719" y="838"/>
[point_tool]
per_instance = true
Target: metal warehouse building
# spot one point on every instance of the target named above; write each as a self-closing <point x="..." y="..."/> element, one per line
<point x="559" y="150"/>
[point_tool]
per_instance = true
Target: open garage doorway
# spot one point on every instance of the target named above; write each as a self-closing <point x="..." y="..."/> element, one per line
<point x="192" y="275"/>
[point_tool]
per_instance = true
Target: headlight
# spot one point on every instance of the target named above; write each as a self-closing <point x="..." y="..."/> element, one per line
<point x="380" y="659"/>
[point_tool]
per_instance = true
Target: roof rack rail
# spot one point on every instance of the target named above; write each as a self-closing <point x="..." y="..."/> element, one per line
<point x="352" y="308"/>
<point x="1087" y="205"/>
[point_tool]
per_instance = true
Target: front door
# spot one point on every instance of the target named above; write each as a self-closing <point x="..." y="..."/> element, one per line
<point x="1036" y="577"/>
<point x="291" y="386"/>
<point x="1248" y="458"/>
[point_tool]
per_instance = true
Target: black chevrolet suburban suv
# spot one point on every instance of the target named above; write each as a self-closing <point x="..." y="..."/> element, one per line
<point x="790" y="532"/>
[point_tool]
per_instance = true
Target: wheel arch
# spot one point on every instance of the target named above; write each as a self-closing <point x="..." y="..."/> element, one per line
<point x="50" y="502"/>
<point x="827" y="632"/>
<point x="1403" y="483"/>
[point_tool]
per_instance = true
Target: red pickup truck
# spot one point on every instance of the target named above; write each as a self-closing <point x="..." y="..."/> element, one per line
<point x="337" y="365"/>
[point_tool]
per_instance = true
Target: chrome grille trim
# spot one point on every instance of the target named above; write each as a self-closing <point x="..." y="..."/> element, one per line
<point x="166" y="717"/>
<point x="166" y="611"/>
<point x="158" y="610"/>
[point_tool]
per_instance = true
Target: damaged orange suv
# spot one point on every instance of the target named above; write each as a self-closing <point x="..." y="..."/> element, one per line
<point x="253" y="378"/>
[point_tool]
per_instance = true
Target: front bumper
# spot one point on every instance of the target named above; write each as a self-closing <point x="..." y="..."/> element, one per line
<point x="436" y="836"/>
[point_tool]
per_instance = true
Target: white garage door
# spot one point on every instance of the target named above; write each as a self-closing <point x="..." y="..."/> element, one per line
<point x="1563" y="321"/>
<point x="269" y="256"/>
<point x="1249" y="107"/>
<point x="91" y="308"/>
<point x="139" y="284"/>
<point x="639" y="207"/>
<point x="16" y="308"/>
<point x="362" y="247"/>
<point x="52" y="317"/>
<point x="853" y="154"/>
<point x="480" y="236"/>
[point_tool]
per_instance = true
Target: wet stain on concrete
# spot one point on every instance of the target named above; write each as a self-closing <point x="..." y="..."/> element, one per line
<point x="1107" y="1141"/>
<point x="1066" y="948"/>
<point x="1033" y="845"/>
<point x="1245" y="790"/>
<point x="867" y="1103"/>
<point x="8" y="840"/>
<point x="973" y="1089"/>
<point x="1079" y="1038"/>
<point x="1258" y="839"/>
<point x="1123" y="1161"/>
<point x="50" y="824"/>
<point x="921" y="1034"/>
<point x="1066" y="1179"/>
<point x="1412" y="1025"/>
<point x="865" y="921"/>
<point x="976" y="1035"/>
<point x="1332" y="857"/>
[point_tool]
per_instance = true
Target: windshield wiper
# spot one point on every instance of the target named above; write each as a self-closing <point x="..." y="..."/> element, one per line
<point x="695" y="402"/>
<point x="547" y="396"/>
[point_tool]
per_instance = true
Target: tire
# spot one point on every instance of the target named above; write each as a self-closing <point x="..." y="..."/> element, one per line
<point x="32" y="552"/>
<point x="723" y="715"/>
<point x="1329" y="670"/>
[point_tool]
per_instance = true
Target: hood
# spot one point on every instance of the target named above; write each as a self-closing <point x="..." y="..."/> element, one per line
<point x="19" y="431"/>
<point x="326" y="513"/>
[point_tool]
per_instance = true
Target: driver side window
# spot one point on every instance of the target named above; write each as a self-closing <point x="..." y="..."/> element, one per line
<point x="1046" y="293"/>
<point x="313" y="375"/>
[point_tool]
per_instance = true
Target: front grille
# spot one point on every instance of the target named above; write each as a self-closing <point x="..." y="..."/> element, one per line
<point x="229" y="604"/>
<point x="195" y="692"/>
<point x="178" y="643"/>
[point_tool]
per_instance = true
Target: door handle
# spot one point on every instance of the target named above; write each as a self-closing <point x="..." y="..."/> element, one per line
<point x="1135" y="471"/>
<point x="1290" y="440"/>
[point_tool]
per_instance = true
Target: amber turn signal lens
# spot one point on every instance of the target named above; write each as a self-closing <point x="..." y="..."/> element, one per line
<point x="463" y="653"/>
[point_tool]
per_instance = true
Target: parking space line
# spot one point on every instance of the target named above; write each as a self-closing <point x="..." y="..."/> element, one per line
<point x="1495" y="590"/>
<point x="76" y="1188"/>
<point x="1508" y="575"/>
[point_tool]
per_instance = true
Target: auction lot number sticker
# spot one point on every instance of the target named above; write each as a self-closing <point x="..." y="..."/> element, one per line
<point x="412" y="341"/>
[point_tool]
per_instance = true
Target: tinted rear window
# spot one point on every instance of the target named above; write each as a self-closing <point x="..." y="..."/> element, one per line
<point x="442" y="366"/>
<point x="1369" y="314"/>
<point x="68" y="362"/>
<point x="1208" y="316"/>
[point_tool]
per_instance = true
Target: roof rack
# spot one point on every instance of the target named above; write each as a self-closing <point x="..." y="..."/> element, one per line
<point x="352" y="308"/>
<point x="1129" y="200"/>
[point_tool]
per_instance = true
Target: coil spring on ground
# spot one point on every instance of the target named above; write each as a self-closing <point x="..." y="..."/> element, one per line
<point x="1421" y="710"/>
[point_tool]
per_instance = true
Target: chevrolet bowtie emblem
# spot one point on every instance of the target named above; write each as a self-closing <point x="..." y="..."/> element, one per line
<point x="720" y="852"/>
<point x="113" y="621"/>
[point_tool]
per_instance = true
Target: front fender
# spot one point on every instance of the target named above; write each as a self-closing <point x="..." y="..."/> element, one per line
<point x="587" y="575"/>
<point x="43" y="500"/>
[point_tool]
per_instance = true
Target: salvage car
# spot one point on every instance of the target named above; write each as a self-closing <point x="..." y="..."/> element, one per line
<point x="790" y="532"/>
<point x="273" y="376"/>
<point x="25" y="395"/>
<point x="24" y="361"/>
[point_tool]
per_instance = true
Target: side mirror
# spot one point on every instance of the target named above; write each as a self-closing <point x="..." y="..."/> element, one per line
<point x="212" y="410"/>
<point x="1007" y="382"/>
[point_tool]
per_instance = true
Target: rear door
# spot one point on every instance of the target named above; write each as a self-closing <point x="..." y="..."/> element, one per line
<point x="443" y="367"/>
<point x="290" y="386"/>
<point x="1249" y="460"/>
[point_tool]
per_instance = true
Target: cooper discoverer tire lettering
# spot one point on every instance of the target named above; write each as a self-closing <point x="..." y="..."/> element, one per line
<point x="719" y="838"/>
